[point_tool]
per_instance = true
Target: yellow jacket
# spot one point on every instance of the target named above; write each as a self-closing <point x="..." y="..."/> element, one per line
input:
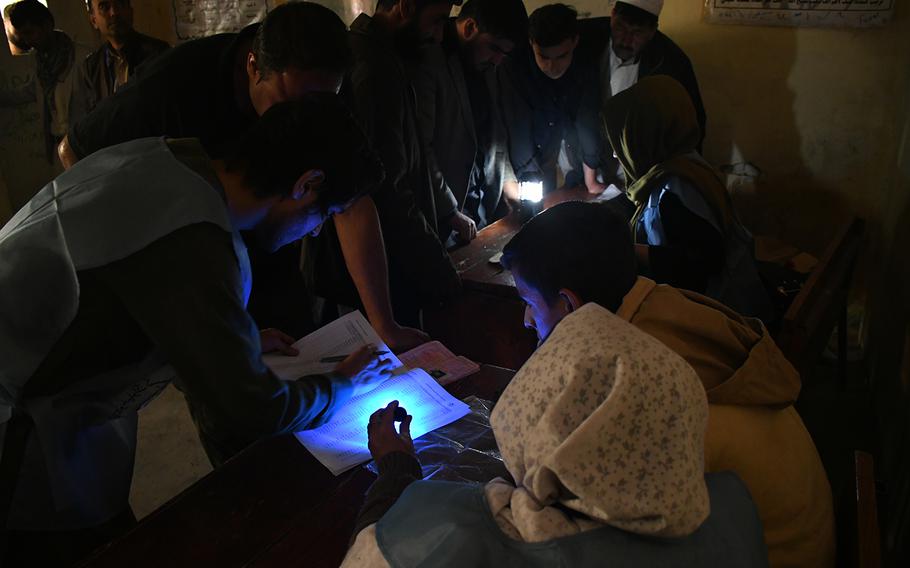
<point x="753" y="428"/>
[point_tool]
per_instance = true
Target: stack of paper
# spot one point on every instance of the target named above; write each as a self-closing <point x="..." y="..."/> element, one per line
<point x="342" y="443"/>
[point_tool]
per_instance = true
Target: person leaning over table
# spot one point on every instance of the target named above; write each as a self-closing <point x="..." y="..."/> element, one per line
<point x="575" y="254"/>
<point x="381" y="95"/>
<point x="544" y="92"/>
<point x="213" y="89"/>
<point x="603" y="432"/>
<point x="460" y="124"/>
<point x="685" y="227"/>
<point x="131" y="261"/>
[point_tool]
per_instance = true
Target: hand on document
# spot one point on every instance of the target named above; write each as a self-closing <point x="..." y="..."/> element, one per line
<point x="383" y="438"/>
<point x="400" y="338"/>
<point x="276" y="341"/>
<point x="365" y="368"/>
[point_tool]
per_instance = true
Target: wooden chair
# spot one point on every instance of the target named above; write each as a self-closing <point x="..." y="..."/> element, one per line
<point x="822" y="303"/>
<point x="859" y="540"/>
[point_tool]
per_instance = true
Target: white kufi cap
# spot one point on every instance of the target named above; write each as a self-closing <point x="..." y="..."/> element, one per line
<point x="652" y="6"/>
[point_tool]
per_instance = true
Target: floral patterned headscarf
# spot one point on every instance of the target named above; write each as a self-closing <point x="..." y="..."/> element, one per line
<point x="605" y="421"/>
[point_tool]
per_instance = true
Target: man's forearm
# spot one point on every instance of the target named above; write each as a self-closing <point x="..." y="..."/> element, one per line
<point x="361" y="241"/>
<point x="66" y="154"/>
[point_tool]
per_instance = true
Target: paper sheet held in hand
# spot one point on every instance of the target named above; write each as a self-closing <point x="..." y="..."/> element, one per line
<point x="342" y="443"/>
<point x="341" y="337"/>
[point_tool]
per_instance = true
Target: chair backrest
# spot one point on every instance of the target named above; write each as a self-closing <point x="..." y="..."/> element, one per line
<point x="859" y="543"/>
<point x="810" y="319"/>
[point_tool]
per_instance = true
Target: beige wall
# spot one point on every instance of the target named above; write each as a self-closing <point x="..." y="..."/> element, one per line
<point x="812" y="108"/>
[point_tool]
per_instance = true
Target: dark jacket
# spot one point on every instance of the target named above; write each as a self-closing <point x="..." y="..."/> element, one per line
<point x="660" y="57"/>
<point x="463" y="136"/>
<point x="541" y="112"/>
<point x="379" y="92"/>
<point x="93" y="83"/>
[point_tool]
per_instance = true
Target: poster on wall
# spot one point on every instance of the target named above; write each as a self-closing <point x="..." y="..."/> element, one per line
<point x="815" y="13"/>
<point x="200" y="18"/>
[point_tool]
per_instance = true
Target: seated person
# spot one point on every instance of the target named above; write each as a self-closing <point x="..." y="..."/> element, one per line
<point x="576" y="253"/>
<point x="685" y="227"/>
<point x="602" y="430"/>
<point x="548" y="95"/>
<point x="132" y="260"/>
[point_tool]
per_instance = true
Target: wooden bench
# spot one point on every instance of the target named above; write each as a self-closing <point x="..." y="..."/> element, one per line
<point x="822" y="304"/>
<point x="859" y="540"/>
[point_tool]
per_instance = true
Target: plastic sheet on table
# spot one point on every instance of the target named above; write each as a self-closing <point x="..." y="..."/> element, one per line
<point x="463" y="451"/>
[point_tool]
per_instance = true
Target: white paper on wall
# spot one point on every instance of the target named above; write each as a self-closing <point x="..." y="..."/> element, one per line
<point x="200" y="18"/>
<point x="814" y="13"/>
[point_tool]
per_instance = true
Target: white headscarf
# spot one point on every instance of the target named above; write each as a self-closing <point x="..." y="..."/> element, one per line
<point x="606" y="421"/>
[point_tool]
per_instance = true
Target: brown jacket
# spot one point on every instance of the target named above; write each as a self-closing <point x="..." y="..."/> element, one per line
<point x="753" y="428"/>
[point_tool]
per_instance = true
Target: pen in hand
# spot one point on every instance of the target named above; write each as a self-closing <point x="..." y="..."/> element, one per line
<point x="340" y="358"/>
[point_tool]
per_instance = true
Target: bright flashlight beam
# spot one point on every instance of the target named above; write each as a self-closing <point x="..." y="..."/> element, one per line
<point x="530" y="191"/>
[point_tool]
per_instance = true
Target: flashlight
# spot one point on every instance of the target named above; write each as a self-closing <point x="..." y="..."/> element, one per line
<point x="530" y="191"/>
<point x="530" y="196"/>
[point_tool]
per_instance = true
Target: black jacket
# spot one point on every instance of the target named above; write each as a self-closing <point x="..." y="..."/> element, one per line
<point x="541" y="112"/>
<point x="380" y="94"/>
<point x="463" y="136"/>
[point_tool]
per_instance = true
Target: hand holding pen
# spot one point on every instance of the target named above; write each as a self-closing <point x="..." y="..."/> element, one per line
<point x="365" y="369"/>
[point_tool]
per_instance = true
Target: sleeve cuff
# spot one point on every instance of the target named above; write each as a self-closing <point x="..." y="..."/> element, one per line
<point x="399" y="463"/>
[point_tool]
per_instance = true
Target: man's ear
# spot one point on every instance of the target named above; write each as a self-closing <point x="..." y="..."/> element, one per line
<point x="470" y="29"/>
<point x="572" y="300"/>
<point x="307" y="183"/>
<point x="252" y="68"/>
<point x="575" y="41"/>
<point x="408" y="9"/>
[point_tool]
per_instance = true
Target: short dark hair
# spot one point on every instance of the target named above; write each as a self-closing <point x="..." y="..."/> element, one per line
<point x="501" y="18"/>
<point x="315" y="132"/>
<point x="28" y="12"/>
<point x="304" y="35"/>
<point x="553" y="24"/>
<point x="384" y="5"/>
<point x="583" y="247"/>
<point x="635" y="16"/>
<point x="88" y="5"/>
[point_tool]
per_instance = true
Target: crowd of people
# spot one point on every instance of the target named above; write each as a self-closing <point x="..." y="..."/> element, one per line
<point x="214" y="190"/>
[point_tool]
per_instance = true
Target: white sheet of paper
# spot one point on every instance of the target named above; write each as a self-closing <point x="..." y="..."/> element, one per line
<point x="341" y="444"/>
<point x="341" y="337"/>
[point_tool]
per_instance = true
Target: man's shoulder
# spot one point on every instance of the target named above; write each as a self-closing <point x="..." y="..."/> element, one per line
<point x="82" y="51"/>
<point x="192" y="61"/>
<point x="667" y="49"/>
<point x="92" y="59"/>
<point x="151" y="45"/>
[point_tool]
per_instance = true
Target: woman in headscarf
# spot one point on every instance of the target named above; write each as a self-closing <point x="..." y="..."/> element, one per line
<point x="603" y="432"/>
<point x="685" y="228"/>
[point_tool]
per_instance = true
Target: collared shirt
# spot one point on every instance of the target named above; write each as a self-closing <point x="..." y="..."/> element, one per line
<point x="617" y="75"/>
<point x="117" y="67"/>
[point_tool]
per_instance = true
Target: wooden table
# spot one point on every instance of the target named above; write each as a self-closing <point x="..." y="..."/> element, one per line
<point x="487" y="322"/>
<point x="273" y="504"/>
